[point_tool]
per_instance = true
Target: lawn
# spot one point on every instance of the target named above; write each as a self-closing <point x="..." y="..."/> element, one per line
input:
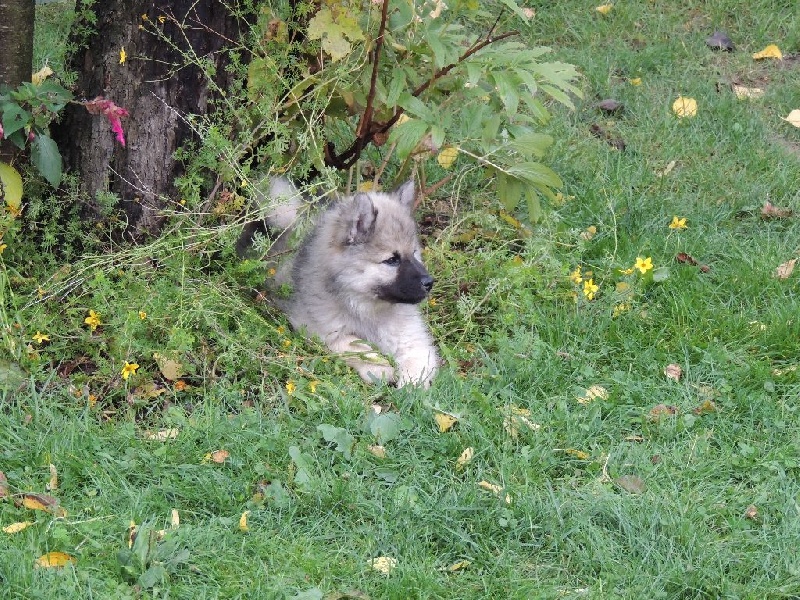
<point x="640" y="439"/>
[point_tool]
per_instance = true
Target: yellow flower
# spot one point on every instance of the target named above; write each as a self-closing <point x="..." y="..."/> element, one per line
<point x="291" y="386"/>
<point x="41" y="337"/>
<point x="678" y="223"/>
<point x="643" y="264"/>
<point x="128" y="370"/>
<point x="93" y="320"/>
<point x="312" y="386"/>
<point x="590" y="289"/>
<point x="575" y="276"/>
<point x="142" y="315"/>
<point x="635" y="81"/>
<point x="122" y="55"/>
<point x="604" y="9"/>
<point x="3" y="247"/>
<point x="286" y="343"/>
<point x="619" y="309"/>
<point x="626" y="271"/>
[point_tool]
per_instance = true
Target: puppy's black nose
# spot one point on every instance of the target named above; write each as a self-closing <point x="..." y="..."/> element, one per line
<point x="427" y="283"/>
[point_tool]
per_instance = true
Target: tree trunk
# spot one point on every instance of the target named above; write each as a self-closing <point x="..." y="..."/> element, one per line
<point x="156" y="85"/>
<point x="16" y="51"/>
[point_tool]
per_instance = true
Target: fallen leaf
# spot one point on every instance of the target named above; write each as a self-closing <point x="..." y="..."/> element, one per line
<point x="708" y="406"/>
<point x="243" y="521"/>
<point x="673" y="371"/>
<point x="383" y="564"/>
<point x="751" y="513"/>
<point x="593" y="393"/>
<point x="457" y="566"/>
<point x="684" y="107"/>
<point x="667" y="170"/>
<point x="447" y="156"/>
<point x="170" y="368"/>
<point x="44" y="503"/>
<point x="589" y="233"/>
<point x="635" y="81"/>
<point x="162" y="435"/>
<point x="464" y="458"/>
<point x="610" y="106"/>
<point x="784" y="271"/>
<point x="631" y="483"/>
<point x="720" y="41"/>
<point x="53" y="483"/>
<point x="579" y="454"/>
<point x="3" y="485"/>
<point x="604" y="9"/>
<point x="175" y="519"/>
<point x="490" y="487"/>
<point x="746" y="93"/>
<point x="771" y="51"/>
<point x="132" y="531"/>
<point x="377" y="450"/>
<point x="686" y="259"/>
<point x="610" y="139"/>
<point x="445" y="421"/>
<point x="793" y="117"/>
<point x="770" y="211"/>
<point x="17" y="527"/>
<point x="220" y="456"/>
<point x="55" y="560"/>
<point x="634" y="438"/>
<point x="40" y="75"/>
<point x="662" y="410"/>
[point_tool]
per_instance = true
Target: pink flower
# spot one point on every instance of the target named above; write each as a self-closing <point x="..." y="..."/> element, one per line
<point x="1" y="131"/>
<point x="101" y="106"/>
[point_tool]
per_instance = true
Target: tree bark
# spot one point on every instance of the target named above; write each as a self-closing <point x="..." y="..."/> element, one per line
<point x="16" y="51"/>
<point x="158" y="87"/>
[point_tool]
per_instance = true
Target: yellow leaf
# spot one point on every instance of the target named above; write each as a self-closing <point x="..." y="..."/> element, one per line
<point x="593" y="393"/>
<point x="771" y="51"/>
<point x="383" y="564"/>
<point x="457" y="566"/>
<point x="55" y="559"/>
<point x="579" y="454"/>
<point x="44" y="503"/>
<point x="684" y="107"/>
<point x="793" y="117"/>
<point x="40" y="75"/>
<point x="122" y="55"/>
<point x="132" y="531"/>
<point x="590" y="232"/>
<point x="53" y="484"/>
<point x="746" y="93"/>
<point x="17" y="527"/>
<point x="635" y="81"/>
<point x="445" y="421"/>
<point x="465" y="458"/>
<point x="784" y="271"/>
<point x="447" y="157"/>
<point x="243" y="521"/>
<point x="604" y="9"/>
<point x="162" y="435"/>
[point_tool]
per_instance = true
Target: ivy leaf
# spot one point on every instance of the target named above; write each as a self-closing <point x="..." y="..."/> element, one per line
<point x="46" y="157"/>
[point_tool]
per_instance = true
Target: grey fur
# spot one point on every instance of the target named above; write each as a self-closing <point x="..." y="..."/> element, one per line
<point x="357" y="280"/>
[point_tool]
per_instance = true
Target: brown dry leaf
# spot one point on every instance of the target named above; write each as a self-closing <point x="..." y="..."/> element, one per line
<point x="132" y="531"/>
<point x="784" y="271"/>
<point x="495" y="489"/>
<point x="377" y="450"/>
<point x="662" y="410"/>
<point x="708" y="406"/>
<point x="170" y="368"/>
<point x="465" y="458"/>
<point x="610" y="106"/>
<point x="53" y="483"/>
<point x="220" y="456"/>
<point x="55" y="560"/>
<point x="673" y="371"/>
<point x="770" y="211"/>
<point x="612" y="140"/>
<point x="746" y="93"/>
<point x="686" y="259"/>
<point x="445" y="421"/>
<point x="383" y="564"/>
<point x="17" y="527"/>
<point x="44" y="503"/>
<point x="631" y="483"/>
<point x="3" y="485"/>
<point x="161" y="435"/>
<point x="751" y="513"/>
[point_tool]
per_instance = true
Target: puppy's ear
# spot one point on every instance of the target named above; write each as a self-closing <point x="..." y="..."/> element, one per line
<point x="406" y="194"/>
<point x="362" y="219"/>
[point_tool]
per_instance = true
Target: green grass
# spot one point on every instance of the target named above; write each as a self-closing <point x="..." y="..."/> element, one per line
<point x="513" y="336"/>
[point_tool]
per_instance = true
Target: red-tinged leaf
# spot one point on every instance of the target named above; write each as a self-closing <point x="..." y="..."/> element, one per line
<point x="41" y="502"/>
<point x="685" y="259"/>
<point x="770" y="211"/>
<point x="662" y="410"/>
<point x="610" y="106"/>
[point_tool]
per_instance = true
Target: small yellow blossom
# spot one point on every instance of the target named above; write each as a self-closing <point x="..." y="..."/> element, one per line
<point x="575" y="276"/>
<point x="271" y="272"/>
<point x="144" y="17"/>
<point x="590" y="289"/>
<point x="286" y="343"/>
<point x="3" y="247"/>
<point x="626" y="271"/>
<point x="291" y="386"/>
<point x="93" y="320"/>
<point x="122" y="55"/>
<point x="619" y="309"/>
<point x="281" y="329"/>
<point x="432" y="302"/>
<point x="41" y="337"/>
<point x="142" y="315"/>
<point x="129" y="369"/>
<point x="635" y="81"/>
<point x="312" y="386"/>
<point x="678" y="223"/>
<point x="162" y="19"/>
<point x="643" y="264"/>
<point x="604" y="9"/>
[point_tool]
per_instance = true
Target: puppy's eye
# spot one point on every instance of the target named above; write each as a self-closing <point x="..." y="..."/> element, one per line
<point x="393" y="261"/>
